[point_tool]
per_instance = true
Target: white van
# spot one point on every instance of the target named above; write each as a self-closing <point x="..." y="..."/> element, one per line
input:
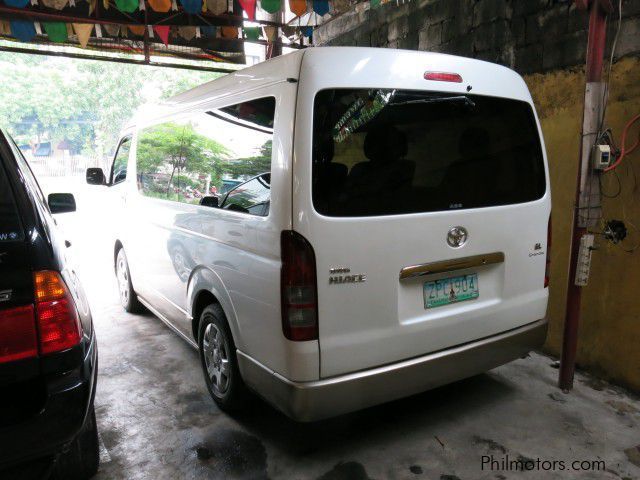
<point x="388" y="232"/>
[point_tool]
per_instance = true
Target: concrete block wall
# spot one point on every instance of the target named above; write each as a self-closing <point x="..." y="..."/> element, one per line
<point x="527" y="35"/>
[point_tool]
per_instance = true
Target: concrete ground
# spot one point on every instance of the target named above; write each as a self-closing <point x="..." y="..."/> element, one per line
<point x="157" y="421"/>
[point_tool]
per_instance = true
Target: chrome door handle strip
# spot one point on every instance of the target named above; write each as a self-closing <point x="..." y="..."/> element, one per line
<point x="451" y="265"/>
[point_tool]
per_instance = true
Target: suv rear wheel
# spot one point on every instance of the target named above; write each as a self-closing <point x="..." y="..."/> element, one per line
<point x="219" y="362"/>
<point x="81" y="460"/>
<point x="128" y="298"/>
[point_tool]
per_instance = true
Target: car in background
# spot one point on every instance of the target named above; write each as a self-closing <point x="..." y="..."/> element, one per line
<point x="48" y="350"/>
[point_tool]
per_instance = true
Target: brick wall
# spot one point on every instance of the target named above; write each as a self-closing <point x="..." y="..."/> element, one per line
<point x="527" y="35"/>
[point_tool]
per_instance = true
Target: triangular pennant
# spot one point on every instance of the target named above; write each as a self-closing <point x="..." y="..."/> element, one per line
<point x="160" y="5"/>
<point x="217" y="7"/>
<point x="229" y="32"/>
<point x="16" y="3"/>
<point x="163" y="33"/>
<point x="299" y="7"/>
<point x="92" y="7"/>
<point x="251" y="33"/>
<point x="187" y="32"/>
<point x="98" y="30"/>
<point x="127" y="6"/>
<point x="375" y="4"/>
<point x="307" y="31"/>
<point x="321" y="7"/>
<point x="23" y="30"/>
<point x="83" y="32"/>
<point x="112" y="29"/>
<point x="57" y="31"/>
<point x="270" y="6"/>
<point x="192" y="7"/>
<point x="137" y="29"/>
<point x="208" y="31"/>
<point x="270" y="33"/>
<point x="55" y="4"/>
<point x="5" y="28"/>
<point x="249" y="6"/>
<point x="289" y="30"/>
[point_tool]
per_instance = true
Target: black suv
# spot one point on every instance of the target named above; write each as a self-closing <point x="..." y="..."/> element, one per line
<point x="48" y="351"/>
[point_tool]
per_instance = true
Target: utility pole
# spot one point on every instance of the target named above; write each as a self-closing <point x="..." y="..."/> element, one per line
<point x="587" y="207"/>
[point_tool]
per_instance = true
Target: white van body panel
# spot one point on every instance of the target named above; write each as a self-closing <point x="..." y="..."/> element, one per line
<point x="383" y="320"/>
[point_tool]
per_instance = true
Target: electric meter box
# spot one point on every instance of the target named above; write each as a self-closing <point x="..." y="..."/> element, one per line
<point x="601" y="156"/>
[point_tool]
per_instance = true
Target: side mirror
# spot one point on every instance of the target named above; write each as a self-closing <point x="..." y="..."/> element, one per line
<point x="209" y="201"/>
<point x="95" y="176"/>
<point x="61" y="203"/>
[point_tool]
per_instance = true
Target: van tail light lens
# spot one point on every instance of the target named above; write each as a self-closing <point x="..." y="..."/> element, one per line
<point x="298" y="288"/>
<point x="547" y="270"/>
<point x="443" y="77"/>
<point x="18" y="337"/>
<point x="58" y="323"/>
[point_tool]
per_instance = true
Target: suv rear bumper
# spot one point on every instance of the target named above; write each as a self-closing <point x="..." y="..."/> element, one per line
<point x="69" y="397"/>
<point x="311" y="401"/>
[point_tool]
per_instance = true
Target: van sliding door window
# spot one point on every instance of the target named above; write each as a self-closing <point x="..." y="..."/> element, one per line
<point x="392" y="152"/>
<point x="120" y="161"/>
<point x="210" y="154"/>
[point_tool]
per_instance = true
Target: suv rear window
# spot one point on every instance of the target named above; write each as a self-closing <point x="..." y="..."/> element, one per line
<point x="391" y="152"/>
<point x="10" y="226"/>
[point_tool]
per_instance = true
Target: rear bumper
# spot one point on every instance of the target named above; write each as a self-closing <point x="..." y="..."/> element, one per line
<point x="311" y="401"/>
<point x="69" y="397"/>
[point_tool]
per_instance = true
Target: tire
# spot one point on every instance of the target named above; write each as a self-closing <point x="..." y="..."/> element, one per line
<point x="216" y="349"/>
<point x="81" y="460"/>
<point x="128" y="297"/>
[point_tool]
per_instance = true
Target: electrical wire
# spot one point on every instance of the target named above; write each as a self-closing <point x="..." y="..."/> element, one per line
<point x="605" y="93"/>
<point x="623" y="147"/>
<point x="611" y="195"/>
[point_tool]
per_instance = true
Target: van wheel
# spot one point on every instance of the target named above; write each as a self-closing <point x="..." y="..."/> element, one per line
<point x="219" y="361"/>
<point x="128" y="297"/>
<point x="81" y="460"/>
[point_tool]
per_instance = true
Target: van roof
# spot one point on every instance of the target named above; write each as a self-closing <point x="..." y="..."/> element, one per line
<point x="352" y="67"/>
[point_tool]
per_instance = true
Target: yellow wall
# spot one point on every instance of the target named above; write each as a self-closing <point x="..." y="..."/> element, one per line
<point x="609" y="335"/>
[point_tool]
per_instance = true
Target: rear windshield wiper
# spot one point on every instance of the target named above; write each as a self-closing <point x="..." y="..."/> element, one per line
<point x="418" y="101"/>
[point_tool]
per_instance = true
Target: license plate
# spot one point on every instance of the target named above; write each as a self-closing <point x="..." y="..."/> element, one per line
<point x="450" y="290"/>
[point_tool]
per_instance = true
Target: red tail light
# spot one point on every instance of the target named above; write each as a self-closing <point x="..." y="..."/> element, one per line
<point x="443" y="77"/>
<point x="18" y="338"/>
<point x="548" y="265"/>
<point x="298" y="288"/>
<point x="58" y="322"/>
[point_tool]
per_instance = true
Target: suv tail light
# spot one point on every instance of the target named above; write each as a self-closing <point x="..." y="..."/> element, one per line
<point x="298" y="288"/>
<point x="548" y="265"/>
<point x="18" y="337"/>
<point x="57" y="319"/>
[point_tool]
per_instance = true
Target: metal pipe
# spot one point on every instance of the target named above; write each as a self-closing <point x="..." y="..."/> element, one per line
<point x="593" y="72"/>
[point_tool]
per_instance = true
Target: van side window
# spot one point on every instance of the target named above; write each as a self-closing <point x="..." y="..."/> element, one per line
<point x="250" y="197"/>
<point x="119" y="168"/>
<point x="209" y="154"/>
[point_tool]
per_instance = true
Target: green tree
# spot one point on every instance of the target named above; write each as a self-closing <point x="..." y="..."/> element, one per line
<point x="255" y="165"/>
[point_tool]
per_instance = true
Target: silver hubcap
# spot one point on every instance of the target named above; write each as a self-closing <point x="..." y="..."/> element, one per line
<point x="123" y="279"/>
<point x="216" y="358"/>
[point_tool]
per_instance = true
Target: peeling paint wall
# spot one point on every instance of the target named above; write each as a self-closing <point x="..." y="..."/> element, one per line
<point x="609" y="336"/>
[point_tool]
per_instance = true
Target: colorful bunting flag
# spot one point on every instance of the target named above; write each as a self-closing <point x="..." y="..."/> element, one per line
<point x="127" y="6"/>
<point x="16" y="3"/>
<point x="187" y="32"/>
<point x="209" y="31"/>
<point x="5" y="28"/>
<point x="57" y="31"/>
<point x="217" y="7"/>
<point x="163" y="33"/>
<point x="137" y="29"/>
<point x="307" y="31"/>
<point x="192" y="7"/>
<point x="112" y="30"/>
<point x="229" y="32"/>
<point x="270" y="6"/>
<point x="160" y="5"/>
<point x="375" y="3"/>
<point x="270" y="33"/>
<point x="83" y="32"/>
<point x="299" y="7"/>
<point x="321" y="7"/>
<point x="252" y="33"/>
<point x="23" y="30"/>
<point x="249" y="6"/>
<point x="55" y="4"/>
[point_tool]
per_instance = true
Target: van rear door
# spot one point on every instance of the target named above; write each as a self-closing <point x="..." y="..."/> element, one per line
<point x="428" y="214"/>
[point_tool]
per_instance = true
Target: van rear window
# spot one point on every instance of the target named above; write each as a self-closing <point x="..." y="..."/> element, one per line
<point x="10" y="226"/>
<point x="392" y="152"/>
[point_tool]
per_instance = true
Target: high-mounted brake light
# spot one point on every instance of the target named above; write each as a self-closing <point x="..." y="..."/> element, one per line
<point x="443" y="77"/>
<point x="298" y="288"/>
<point x="547" y="269"/>
<point x="18" y="338"/>
<point x="57" y="319"/>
